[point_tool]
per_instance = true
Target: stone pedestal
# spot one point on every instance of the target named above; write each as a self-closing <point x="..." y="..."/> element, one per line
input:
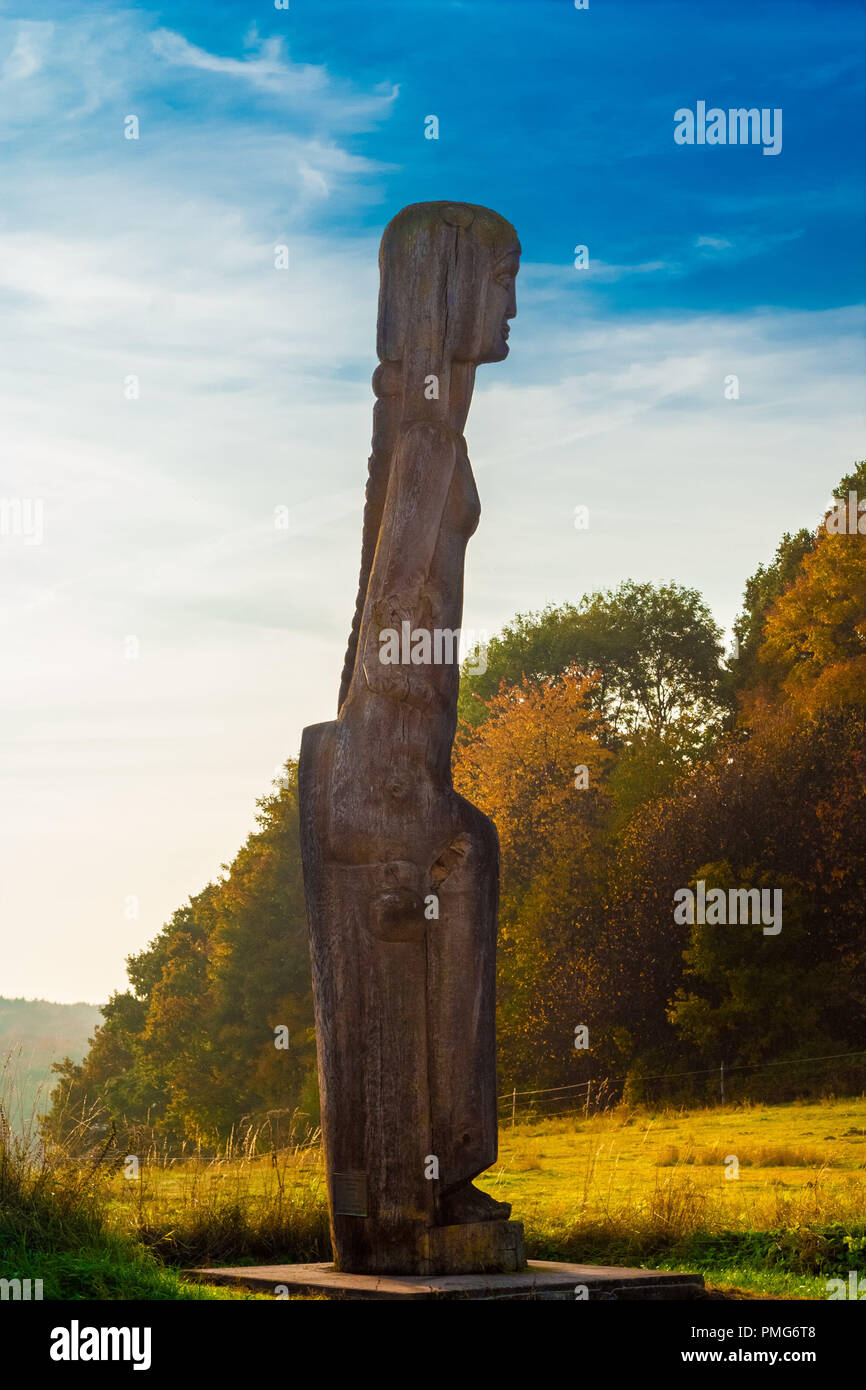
<point x="544" y="1280"/>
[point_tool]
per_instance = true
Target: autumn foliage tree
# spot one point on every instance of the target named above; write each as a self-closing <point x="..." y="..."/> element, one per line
<point x="538" y="765"/>
<point x="808" y="637"/>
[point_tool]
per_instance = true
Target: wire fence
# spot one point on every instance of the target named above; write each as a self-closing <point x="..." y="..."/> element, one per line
<point x="601" y="1093"/>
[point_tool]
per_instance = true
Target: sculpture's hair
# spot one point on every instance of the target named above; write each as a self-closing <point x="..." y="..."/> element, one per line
<point x="430" y="256"/>
<point x="386" y="423"/>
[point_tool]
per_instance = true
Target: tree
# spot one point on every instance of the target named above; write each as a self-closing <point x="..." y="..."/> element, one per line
<point x="804" y="610"/>
<point x="762" y="590"/>
<point x="744" y="995"/>
<point x="780" y="807"/>
<point x="814" y="647"/>
<point x="538" y="765"/>
<point x="656" y="649"/>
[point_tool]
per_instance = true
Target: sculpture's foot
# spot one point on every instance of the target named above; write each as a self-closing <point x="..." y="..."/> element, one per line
<point x="469" y="1203"/>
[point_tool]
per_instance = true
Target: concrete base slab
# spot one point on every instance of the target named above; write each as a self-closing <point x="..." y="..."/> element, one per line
<point x="541" y="1279"/>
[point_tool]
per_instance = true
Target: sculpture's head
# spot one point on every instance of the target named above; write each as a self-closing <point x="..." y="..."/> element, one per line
<point x="447" y="285"/>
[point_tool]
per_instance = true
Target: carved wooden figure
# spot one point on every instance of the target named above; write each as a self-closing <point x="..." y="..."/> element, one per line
<point x="401" y="874"/>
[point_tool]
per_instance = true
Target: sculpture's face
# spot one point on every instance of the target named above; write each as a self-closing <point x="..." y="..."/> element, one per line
<point x="501" y="306"/>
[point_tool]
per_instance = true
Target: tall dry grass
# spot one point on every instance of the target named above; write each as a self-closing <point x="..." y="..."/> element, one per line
<point x="240" y="1203"/>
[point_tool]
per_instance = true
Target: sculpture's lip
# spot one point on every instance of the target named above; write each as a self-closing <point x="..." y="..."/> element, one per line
<point x="505" y="329"/>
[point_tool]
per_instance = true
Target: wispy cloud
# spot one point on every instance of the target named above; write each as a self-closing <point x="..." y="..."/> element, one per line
<point x="269" y="70"/>
<point x="264" y="68"/>
<point x="78" y="66"/>
<point x="28" y="50"/>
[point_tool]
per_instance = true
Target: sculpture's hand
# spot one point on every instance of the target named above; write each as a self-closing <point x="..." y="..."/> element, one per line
<point x="388" y="668"/>
<point x="422" y="469"/>
<point x="401" y="684"/>
<point x="397" y="915"/>
<point x="396" y="912"/>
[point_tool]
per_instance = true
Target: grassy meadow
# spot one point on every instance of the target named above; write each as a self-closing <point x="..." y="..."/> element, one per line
<point x="650" y="1188"/>
<point x="629" y="1186"/>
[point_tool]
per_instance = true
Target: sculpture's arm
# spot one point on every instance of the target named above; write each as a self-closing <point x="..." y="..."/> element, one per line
<point x="422" y="470"/>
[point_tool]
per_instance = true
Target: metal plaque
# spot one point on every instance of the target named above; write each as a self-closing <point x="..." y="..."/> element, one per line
<point x="350" y="1194"/>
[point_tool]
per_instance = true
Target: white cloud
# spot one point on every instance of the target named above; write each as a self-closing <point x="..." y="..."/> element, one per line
<point x="679" y="261"/>
<point x="266" y="69"/>
<point x="28" y="49"/>
<point x="314" y="179"/>
<point x="269" y="70"/>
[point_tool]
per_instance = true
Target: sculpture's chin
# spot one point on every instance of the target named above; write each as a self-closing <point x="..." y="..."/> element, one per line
<point x="496" y="354"/>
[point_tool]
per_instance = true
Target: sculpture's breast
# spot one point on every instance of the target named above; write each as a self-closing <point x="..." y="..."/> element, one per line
<point x="463" y="508"/>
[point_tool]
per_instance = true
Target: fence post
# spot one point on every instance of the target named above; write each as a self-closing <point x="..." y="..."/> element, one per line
<point x="586" y="1106"/>
<point x="722" y="1081"/>
<point x="513" y="1105"/>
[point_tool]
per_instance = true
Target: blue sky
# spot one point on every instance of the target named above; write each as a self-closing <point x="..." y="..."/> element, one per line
<point x="127" y="782"/>
<point x="539" y="102"/>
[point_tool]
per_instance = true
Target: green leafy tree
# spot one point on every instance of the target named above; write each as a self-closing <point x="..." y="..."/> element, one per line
<point x="780" y="807"/>
<point x="746" y="995"/>
<point x="656" y="650"/>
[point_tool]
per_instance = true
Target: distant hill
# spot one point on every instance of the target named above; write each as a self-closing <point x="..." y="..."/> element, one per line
<point x="33" y="1034"/>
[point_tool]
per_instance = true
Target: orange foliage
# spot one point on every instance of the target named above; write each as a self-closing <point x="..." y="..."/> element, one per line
<point x="521" y="766"/>
<point x="814" y="647"/>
